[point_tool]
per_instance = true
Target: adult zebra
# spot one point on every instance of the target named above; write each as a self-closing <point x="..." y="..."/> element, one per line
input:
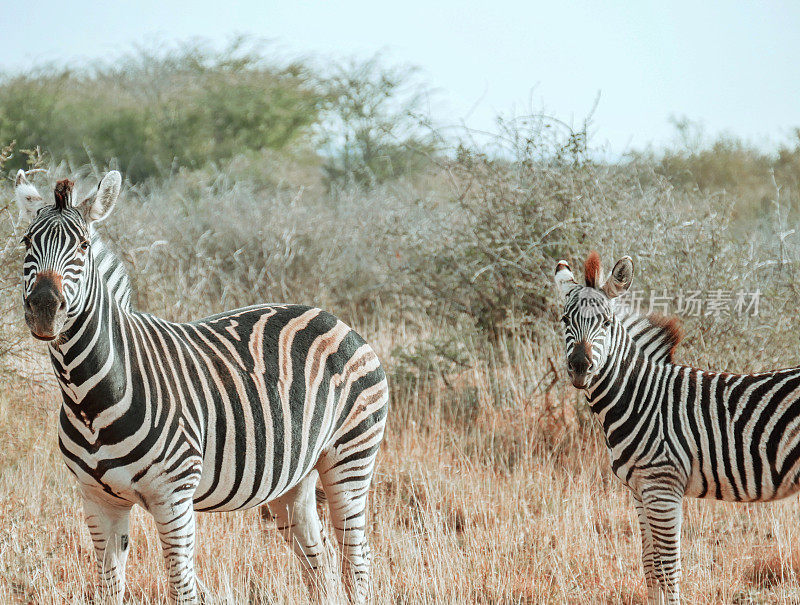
<point x="233" y="411"/>
<point x="674" y="431"/>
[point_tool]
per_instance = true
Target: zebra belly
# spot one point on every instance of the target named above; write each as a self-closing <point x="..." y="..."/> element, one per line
<point x="696" y="489"/>
<point x="235" y="484"/>
<point x="248" y="495"/>
<point x="263" y="456"/>
<point x="116" y="473"/>
<point x="744" y="479"/>
<point x="281" y="391"/>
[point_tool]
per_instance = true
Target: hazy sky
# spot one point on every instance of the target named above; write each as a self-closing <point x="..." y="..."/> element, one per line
<point x="734" y="66"/>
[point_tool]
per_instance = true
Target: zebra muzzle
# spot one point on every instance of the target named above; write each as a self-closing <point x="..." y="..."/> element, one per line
<point x="579" y="365"/>
<point x="45" y="308"/>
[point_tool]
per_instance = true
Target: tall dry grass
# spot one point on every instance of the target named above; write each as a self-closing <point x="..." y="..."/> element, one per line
<point x="492" y="484"/>
<point x="506" y="504"/>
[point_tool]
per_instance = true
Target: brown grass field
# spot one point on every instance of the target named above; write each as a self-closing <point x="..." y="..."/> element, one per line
<point x="493" y="483"/>
<point x="510" y="504"/>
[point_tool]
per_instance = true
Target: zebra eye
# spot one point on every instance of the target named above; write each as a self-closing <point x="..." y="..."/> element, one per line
<point x="606" y="322"/>
<point x="84" y="245"/>
<point x="26" y="241"/>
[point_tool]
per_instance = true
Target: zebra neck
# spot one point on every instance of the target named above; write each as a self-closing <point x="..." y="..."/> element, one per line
<point x="627" y="374"/>
<point x="89" y="357"/>
<point x="112" y="272"/>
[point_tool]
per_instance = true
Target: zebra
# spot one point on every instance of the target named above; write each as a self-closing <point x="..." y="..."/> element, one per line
<point x="674" y="431"/>
<point x="241" y="409"/>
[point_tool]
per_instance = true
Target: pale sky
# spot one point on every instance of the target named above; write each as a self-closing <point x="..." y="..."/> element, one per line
<point x="734" y="66"/>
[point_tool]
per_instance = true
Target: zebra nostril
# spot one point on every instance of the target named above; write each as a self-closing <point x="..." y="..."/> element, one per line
<point x="62" y="305"/>
<point x="579" y="365"/>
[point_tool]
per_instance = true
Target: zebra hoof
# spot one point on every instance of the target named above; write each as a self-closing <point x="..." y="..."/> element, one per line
<point x="204" y="596"/>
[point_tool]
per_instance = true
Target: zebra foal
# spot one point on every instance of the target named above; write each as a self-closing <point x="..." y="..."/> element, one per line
<point x="674" y="431"/>
<point x="246" y="408"/>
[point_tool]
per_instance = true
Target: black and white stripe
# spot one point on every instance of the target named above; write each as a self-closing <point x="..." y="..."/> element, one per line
<point x="674" y="431"/>
<point x="237" y="410"/>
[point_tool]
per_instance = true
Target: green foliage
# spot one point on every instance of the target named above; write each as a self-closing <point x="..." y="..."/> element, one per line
<point x="150" y="111"/>
<point x="280" y="184"/>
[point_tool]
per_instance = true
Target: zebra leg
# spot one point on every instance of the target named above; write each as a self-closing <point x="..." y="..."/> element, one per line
<point x="654" y="594"/>
<point x="664" y="512"/>
<point x="295" y="515"/>
<point x="346" y="479"/>
<point x="176" y="528"/>
<point x="109" y="526"/>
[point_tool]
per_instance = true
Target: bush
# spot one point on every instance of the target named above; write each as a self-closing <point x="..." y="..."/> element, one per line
<point x="13" y="334"/>
<point x="464" y="250"/>
<point x="727" y="165"/>
<point x="512" y="215"/>
<point x="150" y="111"/>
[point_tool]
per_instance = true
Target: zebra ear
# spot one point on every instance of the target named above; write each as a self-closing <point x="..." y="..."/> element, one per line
<point x="620" y="279"/>
<point x="28" y="199"/>
<point x="98" y="206"/>
<point x="565" y="280"/>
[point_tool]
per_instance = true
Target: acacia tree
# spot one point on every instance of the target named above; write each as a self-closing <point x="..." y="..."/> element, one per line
<point x="373" y="128"/>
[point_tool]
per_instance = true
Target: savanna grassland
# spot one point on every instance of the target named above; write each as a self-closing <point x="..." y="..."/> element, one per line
<point x="249" y="182"/>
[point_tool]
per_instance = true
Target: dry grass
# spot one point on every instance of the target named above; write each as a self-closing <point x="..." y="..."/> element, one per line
<point x="493" y="484"/>
<point x="506" y="504"/>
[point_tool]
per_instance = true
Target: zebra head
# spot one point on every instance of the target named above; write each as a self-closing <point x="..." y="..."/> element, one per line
<point x="57" y="244"/>
<point x="588" y="316"/>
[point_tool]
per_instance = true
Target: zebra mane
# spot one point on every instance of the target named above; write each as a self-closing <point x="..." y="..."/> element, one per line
<point x="63" y="193"/>
<point x="656" y="335"/>
<point x="112" y="272"/>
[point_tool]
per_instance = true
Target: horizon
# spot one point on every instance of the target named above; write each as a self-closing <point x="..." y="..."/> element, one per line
<point x="647" y="66"/>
